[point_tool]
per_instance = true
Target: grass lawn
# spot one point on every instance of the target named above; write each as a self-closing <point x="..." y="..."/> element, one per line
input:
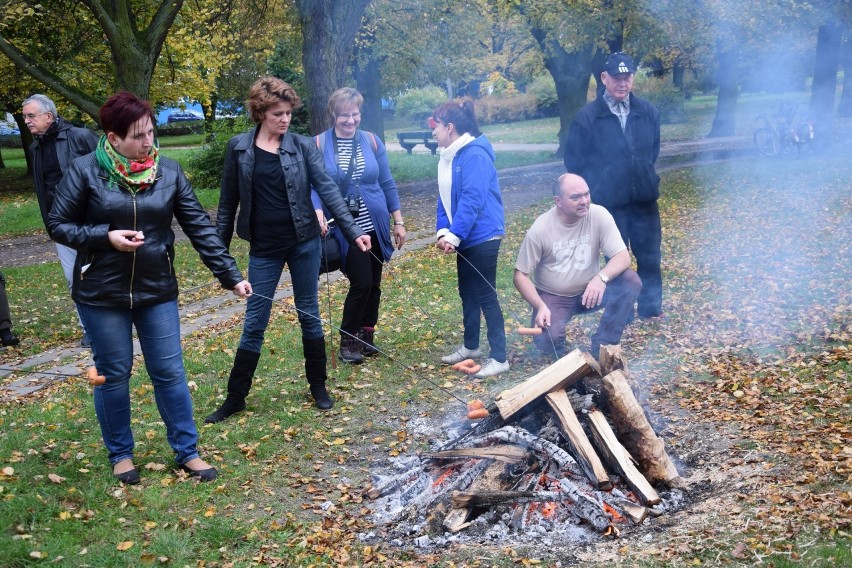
<point x="749" y="374"/>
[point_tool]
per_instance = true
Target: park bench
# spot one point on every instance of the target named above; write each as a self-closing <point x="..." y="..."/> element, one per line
<point x="409" y="140"/>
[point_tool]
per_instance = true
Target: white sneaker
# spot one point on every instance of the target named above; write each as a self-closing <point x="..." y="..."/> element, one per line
<point x="491" y="368"/>
<point x="460" y="354"/>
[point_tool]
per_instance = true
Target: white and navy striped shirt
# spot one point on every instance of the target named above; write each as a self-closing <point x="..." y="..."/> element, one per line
<point x="344" y="155"/>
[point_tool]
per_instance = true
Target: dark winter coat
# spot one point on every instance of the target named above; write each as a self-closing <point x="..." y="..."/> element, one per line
<point x="618" y="165"/>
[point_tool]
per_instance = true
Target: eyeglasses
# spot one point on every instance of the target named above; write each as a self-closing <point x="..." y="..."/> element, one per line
<point x="352" y="115"/>
<point x="32" y="115"/>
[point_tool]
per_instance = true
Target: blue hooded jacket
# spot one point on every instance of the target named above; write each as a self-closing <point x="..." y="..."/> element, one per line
<point x="476" y="203"/>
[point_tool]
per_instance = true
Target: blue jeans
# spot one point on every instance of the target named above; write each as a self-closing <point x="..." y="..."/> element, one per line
<point x="477" y="271"/>
<point x="303" y="261"/>
<point x="158" y="329"/>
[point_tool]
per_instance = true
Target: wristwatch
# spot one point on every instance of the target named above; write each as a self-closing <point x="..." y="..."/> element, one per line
<point x="603" y="277"/>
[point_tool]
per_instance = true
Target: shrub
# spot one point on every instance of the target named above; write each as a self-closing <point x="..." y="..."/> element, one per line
<point x="418" y="104"/>
<point x="666" y="97"/>
<point x="543" y="90"/>
<point x="180" y="128"/>
<point x="491" y="110"/>
<point x="205" y="166"/>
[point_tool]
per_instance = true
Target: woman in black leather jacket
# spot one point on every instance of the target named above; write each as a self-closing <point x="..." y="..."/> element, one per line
<point x="115" y="207"/>
<point x="268" y="173"/>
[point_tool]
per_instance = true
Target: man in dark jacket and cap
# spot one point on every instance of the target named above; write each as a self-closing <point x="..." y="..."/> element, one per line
<point x="56" y="145"/>
<point x="613" y="143"/>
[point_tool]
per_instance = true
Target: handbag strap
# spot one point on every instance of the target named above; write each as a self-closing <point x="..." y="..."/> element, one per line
<point x="344" y="184"/>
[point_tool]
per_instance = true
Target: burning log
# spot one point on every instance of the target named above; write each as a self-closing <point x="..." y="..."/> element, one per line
<point x="619" y="459"/>
<point x="520" y="437"/>
<point x="563" y="373"/>
<point x="492" y="498"/>
<point x="484" y="478"/>
<point x="503" y="452"/>
<point x="582" y="448"/>
<point x="636" y="433"/>
<point x="636" y="513"/>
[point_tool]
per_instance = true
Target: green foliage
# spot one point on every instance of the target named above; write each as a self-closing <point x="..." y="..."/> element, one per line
<point x="543" y="89"/>
<point x="497" y="85"/>
<point x="204" y="168"/>
<point x="419" y="103"/>
<point x="666" y="97"/>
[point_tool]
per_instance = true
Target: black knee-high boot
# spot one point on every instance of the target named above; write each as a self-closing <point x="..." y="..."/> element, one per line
<point x="315" y="370"/>
<point x="239" y="384"/>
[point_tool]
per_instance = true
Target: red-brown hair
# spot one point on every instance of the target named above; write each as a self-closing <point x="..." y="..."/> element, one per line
<point x="122" y="110"/>
<point x="266" y="93"/>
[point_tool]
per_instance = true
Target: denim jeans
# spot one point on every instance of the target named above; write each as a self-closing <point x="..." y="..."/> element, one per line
<point x="477" y="272"/>
<point x="618" y="300"/>
<point x="158" y="329"/>
<point x="303" y="261"/>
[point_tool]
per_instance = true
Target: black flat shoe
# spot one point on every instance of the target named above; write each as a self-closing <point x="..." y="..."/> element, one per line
<point x="8" y="338"/>
<point x="208" y="474"/>
<point x="129" y="477"/>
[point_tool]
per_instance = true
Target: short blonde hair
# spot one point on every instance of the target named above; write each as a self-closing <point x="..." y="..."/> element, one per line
<point x="342" y="97"/>
<point x="267" y="92"/>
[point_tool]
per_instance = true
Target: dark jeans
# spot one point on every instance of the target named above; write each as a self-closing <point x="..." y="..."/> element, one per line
<point x="364" y="270"/>
<point x="477" y="272"/>
<point x="639" y="224"/>
<point x="158" y="329"/>
<point x="618" y="301"/>
<point x="303" y="260"/>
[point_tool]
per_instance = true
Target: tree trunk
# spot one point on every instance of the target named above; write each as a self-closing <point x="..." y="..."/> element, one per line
<point x="845" y="107"/>
<point x="571" y="73"/>
<point x="825" y="78"/>
<point x="368" y="76"/>
<point x="328" y="32"/>
<point x="134" y="51"/>
<point x="724" y="123"/>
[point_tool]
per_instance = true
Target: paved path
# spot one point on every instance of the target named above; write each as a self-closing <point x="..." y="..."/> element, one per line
<point x="521" y="187"/>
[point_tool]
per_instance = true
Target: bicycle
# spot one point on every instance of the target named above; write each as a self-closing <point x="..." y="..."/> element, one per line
<point x="784" y="134"/>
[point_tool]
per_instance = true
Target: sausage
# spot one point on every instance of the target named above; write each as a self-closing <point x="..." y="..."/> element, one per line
<point x="472" y="370"/>
<point x="475" y="404"/>
<point x="529" y="330"/>
<point x="94" y="378"/>
<point x="478" y="414"/>
<point x="462" y="365"/>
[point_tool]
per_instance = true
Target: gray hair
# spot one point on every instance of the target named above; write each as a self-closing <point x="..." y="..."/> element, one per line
<point x="44" y="103"/>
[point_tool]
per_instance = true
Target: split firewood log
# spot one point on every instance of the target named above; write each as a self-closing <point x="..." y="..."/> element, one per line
<point x="636" y="433"/>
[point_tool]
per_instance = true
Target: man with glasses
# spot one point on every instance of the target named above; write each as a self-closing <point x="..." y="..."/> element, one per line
<point x="56" y="145"/>
<point x="562" y="252"/>
<point x="613" y="143"/>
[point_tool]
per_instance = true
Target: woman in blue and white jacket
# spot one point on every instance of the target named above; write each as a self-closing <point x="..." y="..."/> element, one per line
<point x="470" y="222"/>
<point x="357" y="161"/>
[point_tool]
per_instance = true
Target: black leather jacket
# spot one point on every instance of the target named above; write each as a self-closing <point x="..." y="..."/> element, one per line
<point x="86" y="208"/>
<point x="71" y="142"/>
<point x="303" y="168"/>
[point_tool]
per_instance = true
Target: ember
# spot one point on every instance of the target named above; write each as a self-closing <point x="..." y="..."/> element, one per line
<point x="533" y="460"/>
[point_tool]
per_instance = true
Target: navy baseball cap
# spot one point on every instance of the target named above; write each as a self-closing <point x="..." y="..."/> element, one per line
<point x="618" y="63"/>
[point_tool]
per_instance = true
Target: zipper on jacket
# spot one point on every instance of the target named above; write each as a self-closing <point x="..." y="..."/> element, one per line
<point x="133" y="262"/>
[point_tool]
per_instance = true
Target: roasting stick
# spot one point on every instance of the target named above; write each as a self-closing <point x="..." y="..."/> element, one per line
<point x="385" y="353"/>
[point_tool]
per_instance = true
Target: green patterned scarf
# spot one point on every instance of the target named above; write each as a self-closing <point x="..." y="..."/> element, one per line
<point x="133" y="175"/>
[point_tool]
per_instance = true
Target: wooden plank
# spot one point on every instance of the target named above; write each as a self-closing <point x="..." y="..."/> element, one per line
<point x="489" y="479"/>
<point x="582" y="448"/>
<point x="508" y="453"/>
<point x="619" y="459"/>
<point x="636" y="433"/>
<point x="560" y="374"/>
<point x="611" y="359"/>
